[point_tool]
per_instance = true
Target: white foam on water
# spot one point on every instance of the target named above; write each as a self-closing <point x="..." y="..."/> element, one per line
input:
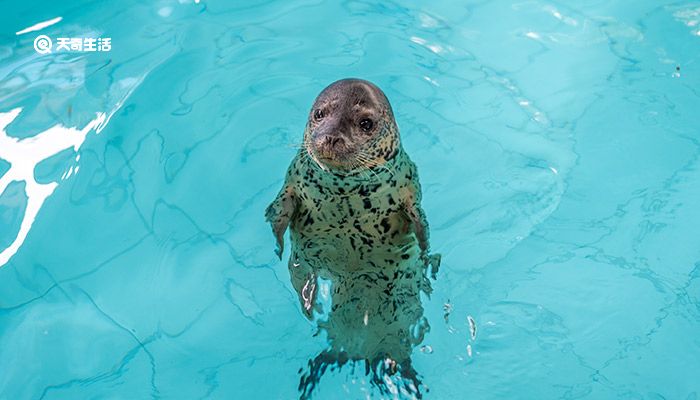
<point x="24" y="155"/>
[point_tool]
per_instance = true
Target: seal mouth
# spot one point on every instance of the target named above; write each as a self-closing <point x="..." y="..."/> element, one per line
<point x="331" y="152"/>
<point x="332" y="159"/>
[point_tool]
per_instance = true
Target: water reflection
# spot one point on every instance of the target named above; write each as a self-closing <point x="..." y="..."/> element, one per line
<point x="374" y="321"/>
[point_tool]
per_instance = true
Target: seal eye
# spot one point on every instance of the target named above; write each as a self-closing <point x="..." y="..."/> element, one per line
<point x="319" y="114"/>
<point x="366" y="124"/>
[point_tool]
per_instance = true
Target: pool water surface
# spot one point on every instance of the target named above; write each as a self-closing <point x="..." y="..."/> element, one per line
<point x="559" y="155"/>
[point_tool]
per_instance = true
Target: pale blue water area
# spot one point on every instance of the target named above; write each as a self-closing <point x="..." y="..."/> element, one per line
<point x="558" y="146"/>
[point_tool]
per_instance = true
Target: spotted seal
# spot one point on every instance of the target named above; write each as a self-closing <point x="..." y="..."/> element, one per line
<point x="351" y="199"/>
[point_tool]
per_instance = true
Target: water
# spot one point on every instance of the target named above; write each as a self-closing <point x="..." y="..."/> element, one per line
<point x="558" y="150"/>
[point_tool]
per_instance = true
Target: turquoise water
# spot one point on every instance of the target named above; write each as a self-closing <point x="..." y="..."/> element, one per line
<point x="558" y="147"/>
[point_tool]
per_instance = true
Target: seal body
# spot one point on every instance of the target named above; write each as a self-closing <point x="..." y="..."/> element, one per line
<point x="355" y="232"/>
<point x="357" y="219"/>
<point x="351" y="199"/>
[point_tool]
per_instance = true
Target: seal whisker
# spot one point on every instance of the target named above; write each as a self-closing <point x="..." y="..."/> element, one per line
<point x="389" y="170"/>
<point x="304" y="144"/>
<point x="359" y="164"/>
<point x="382" y="166"/>
<point x="365" y="160"/>
<point x="356" y="167"/>
<point x="364" y="172"/>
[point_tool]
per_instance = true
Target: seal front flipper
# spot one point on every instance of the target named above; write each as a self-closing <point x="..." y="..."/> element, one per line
<point x="431" y="262"/>
<point x="410" y="205"/>
<point x="417" y="218"/>
<point x="279" y="213"/>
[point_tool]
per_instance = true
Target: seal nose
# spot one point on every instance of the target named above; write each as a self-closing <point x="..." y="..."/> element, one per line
<point x="333" y="141"/>
<point x="328" y="138"/>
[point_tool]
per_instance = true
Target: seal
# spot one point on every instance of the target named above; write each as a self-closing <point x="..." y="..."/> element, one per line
<point x="351" y="199"/>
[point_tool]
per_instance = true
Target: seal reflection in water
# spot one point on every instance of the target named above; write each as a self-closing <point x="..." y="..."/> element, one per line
<point x="351" y="199"/>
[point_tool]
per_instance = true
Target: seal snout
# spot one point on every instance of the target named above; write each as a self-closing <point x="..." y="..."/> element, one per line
<point x="330" y="146"/>
<point x="328" y="139"/>
<point x="331" y="141"/>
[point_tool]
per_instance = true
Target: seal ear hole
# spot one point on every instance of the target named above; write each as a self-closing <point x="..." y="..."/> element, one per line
<point x="319" y="114"/>
<point x="366" y="125"/>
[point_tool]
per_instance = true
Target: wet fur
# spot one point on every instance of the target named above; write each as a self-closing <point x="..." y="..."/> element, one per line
<point x="359" y="225"/>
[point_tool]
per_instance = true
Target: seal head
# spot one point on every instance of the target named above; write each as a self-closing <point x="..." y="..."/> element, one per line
<point x="351" y="126"/>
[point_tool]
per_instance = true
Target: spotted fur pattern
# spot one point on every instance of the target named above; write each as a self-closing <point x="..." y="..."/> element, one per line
<point x="365" y="232"/>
